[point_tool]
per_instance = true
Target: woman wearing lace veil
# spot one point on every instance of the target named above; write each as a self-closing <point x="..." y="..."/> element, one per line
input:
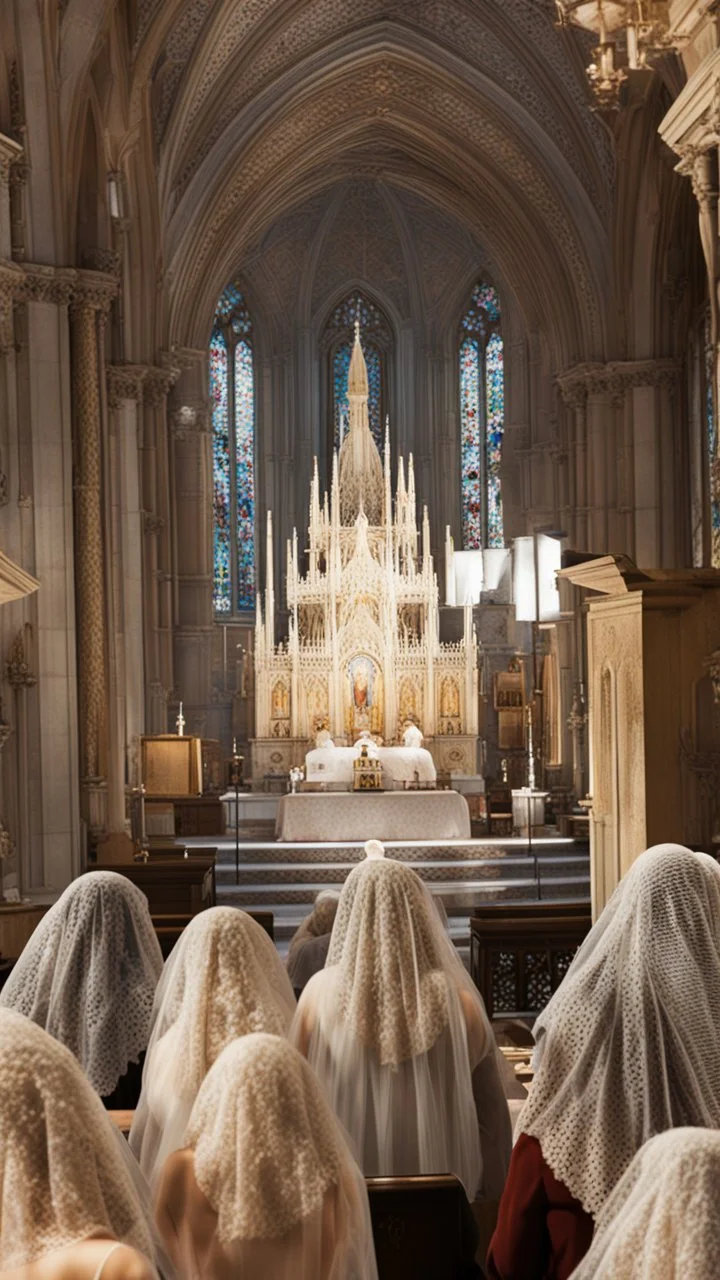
<point x="309" y="947"/>
<point x="266" y="1185"/>
<point x="400" y="1039"/>
<point x="223" y="979"/>
<point x="661" y="1221"/>
<point x="628" y="1047"/>
<point x="71" y="1204"/>
<point x="88" y="976"/>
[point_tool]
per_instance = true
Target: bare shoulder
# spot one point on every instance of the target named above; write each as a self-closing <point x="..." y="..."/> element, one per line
<point x="126" y="1264"/>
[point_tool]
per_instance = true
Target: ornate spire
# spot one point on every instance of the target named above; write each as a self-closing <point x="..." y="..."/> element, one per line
<point x="357" y="374"/>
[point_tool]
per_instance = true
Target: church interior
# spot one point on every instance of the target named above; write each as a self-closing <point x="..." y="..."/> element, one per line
<point x="359" y="638"/>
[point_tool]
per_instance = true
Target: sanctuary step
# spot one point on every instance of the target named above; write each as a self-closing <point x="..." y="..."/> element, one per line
<point x="464" y="874"/>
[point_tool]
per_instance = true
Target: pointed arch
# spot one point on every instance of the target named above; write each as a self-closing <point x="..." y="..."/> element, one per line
<point x="481" y="368"/>
<point x="336" y="347"/>
<point x="232" y="399"/>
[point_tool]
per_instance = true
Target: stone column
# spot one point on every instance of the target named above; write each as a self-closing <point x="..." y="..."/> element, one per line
<point x="89" y="306"/>
<point x="691" y="129"/>
<point x="189" y="422"/>
<point x="157" y="546"/>
<point x="126" y="711"/>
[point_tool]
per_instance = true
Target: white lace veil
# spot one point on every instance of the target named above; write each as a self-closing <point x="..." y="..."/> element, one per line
<point x="661" y="1221"/>
<point x="223" y="979"/>
<point x="271" y="1159"/>
<point x="385" y="1025"/>
<point x="65" y="1172"/>
<point x="629" y="1045"/>
<point x="309" y="946"/>
<point x="88" y="975"/>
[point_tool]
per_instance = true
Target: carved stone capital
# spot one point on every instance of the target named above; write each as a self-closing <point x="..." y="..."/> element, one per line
<point x="157" y="384"/>
<point x="94" y="290"/>
<point x="48" y="284"/>
<point x="105" y="260"/>
<point x="124" y="382"/>
<point x="615" y="379"/>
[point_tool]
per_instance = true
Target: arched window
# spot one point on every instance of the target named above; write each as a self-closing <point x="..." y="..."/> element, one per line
<point x="232" y="397"/>
<point x="337" y="340"/>
<point x="482" y="419"/>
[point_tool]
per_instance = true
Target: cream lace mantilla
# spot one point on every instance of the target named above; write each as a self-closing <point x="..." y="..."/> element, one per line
<point x="224" y="979"/>
<point x="63" y="1172"/>
<point x="662" y="1221"/>
<point x="393" y="991"/>
<point x="266" y="1145"/>
<point x="629" y="1045"/>
<point x="88" y="975"/>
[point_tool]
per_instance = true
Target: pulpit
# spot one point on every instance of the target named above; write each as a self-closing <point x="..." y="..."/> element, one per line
<point x="653" y="643"/>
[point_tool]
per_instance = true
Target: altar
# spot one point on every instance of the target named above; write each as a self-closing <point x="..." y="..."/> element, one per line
<point x="373" y="815"/>
<point x="333" y="766"/>
<point x="363" y="655"/>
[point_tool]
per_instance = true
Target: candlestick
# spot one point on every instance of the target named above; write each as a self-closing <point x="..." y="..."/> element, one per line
<point x="180" y="723"/>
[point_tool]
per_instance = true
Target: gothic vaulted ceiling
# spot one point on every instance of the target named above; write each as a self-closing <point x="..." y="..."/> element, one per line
<point x="475" y="108"/>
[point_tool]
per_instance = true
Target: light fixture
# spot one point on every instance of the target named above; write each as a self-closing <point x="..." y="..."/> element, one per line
<point x="631" y="34"/>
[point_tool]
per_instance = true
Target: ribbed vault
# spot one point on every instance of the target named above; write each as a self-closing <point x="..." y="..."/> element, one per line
<point x="476" y="109"/>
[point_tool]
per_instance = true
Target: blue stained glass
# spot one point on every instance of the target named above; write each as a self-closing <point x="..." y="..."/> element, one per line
<point x="341" y="366"/>
<point x="245" y="474"/>
<point x="494" y="423"/>
<point x="221" y="472"/>
<point x="376" y="337"/>
<point x="471" y="444"/>
<point x="482" y="419"/>
<point x="232" y="395"/>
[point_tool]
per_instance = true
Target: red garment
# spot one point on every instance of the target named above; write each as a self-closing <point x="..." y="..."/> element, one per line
<point x="542" y="1231"/>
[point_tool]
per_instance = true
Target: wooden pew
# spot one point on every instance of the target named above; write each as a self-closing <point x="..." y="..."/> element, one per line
<point x="520" y="954"/>
<point x="172" y="885"/>
<point x="423" y="1228"/>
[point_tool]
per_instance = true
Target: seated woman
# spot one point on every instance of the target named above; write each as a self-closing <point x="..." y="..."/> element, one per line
<point x="265" y="1186"/>
<point x="661" y="1221"/>
<point x="628" y="1047"/>
<point x="400" y="1039"/>
<point x="223" y="979"/>
<point x="71" y="1205"/>
<point x="88" y="976"/>
<point x="309" y="947"/>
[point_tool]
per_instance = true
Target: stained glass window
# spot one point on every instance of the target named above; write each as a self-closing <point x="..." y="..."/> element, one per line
<point x="482" y="419"/>
<point x="232" y="395"/>
<point x="376" y="337"/>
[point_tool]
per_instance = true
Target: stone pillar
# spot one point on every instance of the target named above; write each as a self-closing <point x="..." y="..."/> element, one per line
<point x="126" y="664"/>
<point x="191" y="472"/>
<point x="157" y="546"/>
<point x="691" y="129"/>
<point x="89" y="306"/>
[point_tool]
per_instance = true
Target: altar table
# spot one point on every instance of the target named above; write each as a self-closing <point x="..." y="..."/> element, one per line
<point x="380" y="815"/>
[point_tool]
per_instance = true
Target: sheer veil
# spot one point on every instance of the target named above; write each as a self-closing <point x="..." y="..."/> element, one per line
<point x="271" y="1160"/>
<point x="65" y="1172"/>
<point x="88" y="975"/>
<point x="629" y="1045"/>
<point x="223" y="979"/>
<point x="396" y="1030"/>
<point x="309" y="947"/>
<point x="661" y="1222"/>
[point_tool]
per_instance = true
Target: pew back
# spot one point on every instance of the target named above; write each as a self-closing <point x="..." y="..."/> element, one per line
<point x="423" y="1228"/>
<point x="519" y="955"/>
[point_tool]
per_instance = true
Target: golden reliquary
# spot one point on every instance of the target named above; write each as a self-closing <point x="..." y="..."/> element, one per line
<point x="367" y="772"/>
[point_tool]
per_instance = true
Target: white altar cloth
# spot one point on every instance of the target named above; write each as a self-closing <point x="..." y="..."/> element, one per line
<point x="377" y="815"/>
<point x="400" y="764"/>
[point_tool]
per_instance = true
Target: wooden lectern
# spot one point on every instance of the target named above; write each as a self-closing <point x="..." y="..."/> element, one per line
<point x="171" y="765"/>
